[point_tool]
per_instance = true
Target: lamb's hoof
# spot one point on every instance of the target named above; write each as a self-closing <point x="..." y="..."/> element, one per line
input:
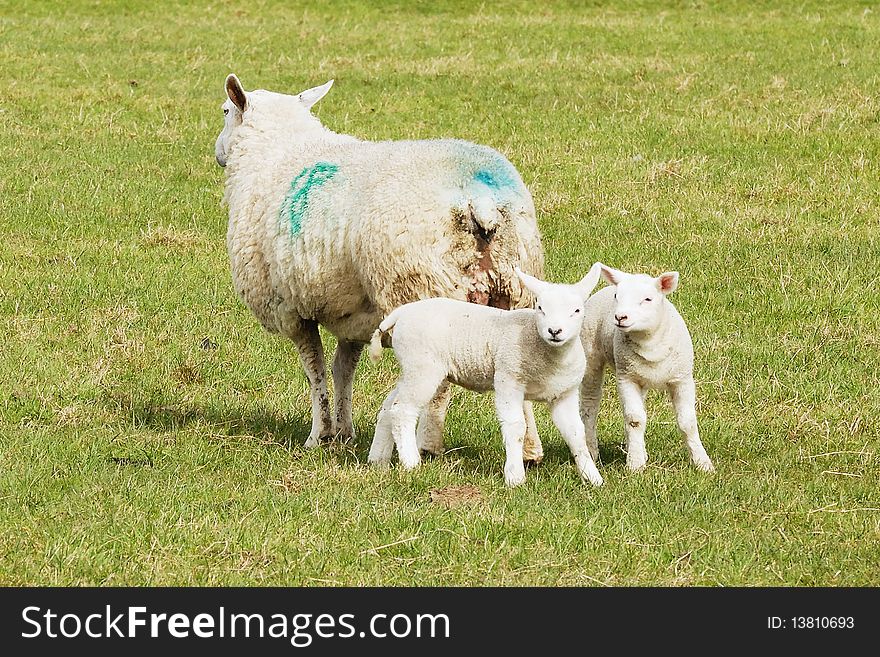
<point x="514" y="476"/>
<point x="380" y="464"/>
<point x="705" y="466"/>
<point x="533" y="463"/>
<point x="636" y="465"/>
<point x="429" y="453"/>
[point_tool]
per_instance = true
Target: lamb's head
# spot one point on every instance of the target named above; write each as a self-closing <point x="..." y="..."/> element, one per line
<point x="640" y="300"/>
<point x="291" y="113"/>
<point x="560" y="308"/>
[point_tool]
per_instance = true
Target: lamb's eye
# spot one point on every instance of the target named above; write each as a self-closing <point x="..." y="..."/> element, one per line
<point x="540" y="310"/>
<point x="225" y="111"/>
<point x="577" y="310"/>
<point x="648" y="299"/>
<point x="615" y="296"/>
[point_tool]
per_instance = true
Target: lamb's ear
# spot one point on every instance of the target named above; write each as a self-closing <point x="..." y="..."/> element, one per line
<point x="587" y="283"/>
<point x="667" y="282"/>
<point x="609" y="274"/>
<point x="311" y="96"/>
<point x="235" y="92"/>
<point x="532" y="284"/>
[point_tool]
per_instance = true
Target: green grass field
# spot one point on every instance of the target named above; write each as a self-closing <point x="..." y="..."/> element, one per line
<point x="151" y="433"/>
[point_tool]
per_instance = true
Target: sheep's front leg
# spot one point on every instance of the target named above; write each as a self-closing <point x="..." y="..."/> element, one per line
<point x="311" y="354"/>
<point x="509" y="407"/>
<point x="684" y="400"/>
<point x="567" y="419"/>
<point x="632" y="398"/>
<point x="429" y="435"/>
<point x="533" y="451"/>
<point x="383" y="442"/>
<point x="590" y="399"/>
<point x="344" y="364"/>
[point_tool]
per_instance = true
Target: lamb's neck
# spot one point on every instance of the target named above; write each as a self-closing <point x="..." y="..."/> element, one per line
<point x="655" y="345"/>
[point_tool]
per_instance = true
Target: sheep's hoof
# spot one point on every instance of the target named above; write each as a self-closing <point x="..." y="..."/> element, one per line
<point x="533" y="462"/>
<point x="430" y="453"/>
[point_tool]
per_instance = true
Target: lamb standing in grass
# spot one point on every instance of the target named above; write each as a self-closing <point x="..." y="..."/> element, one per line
<point x="635" y="329"/>
<point x="328" y="229"/>
<point x="520" y="354"/>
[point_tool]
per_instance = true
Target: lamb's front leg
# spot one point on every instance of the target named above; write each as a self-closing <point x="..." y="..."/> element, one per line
<point x="566" y="416"/>
<point x="311" y="354"/>
<point x="533" y="451"/>
<point x="684" y="400"/>
<point x="344" y="364"/>
<point x="632" y="399"/>
<point x="509" y="407"/>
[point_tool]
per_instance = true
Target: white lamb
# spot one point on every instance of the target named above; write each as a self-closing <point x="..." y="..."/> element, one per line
<point x="520" y="354"/>
<point x="633" y="328"/>
<point x="328" y="229"/>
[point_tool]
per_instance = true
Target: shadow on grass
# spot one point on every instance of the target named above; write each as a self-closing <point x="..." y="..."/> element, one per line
<point x="229" y="419"/>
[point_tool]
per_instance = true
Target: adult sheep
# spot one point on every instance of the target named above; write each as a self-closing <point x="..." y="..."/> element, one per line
<point x="328" y="229"/>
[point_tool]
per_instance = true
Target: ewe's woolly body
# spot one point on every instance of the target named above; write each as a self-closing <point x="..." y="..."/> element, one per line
<point x="390" y="225"/>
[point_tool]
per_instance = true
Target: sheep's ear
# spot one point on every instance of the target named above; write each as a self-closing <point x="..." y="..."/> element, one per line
<point x="610" y="275"/>
<point x="235" y="92"/>
<point x="311" y="96"/>
<point x="587" y="283"/>
<point x="667" y="282"/>
<point x="532" y="284"/>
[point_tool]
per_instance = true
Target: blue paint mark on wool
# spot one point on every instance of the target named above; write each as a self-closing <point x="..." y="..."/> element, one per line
<point x="296" y="201"/>
<point x="496" y="179"/>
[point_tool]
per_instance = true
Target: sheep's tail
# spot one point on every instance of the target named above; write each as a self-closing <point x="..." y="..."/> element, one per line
<point x="376" y="341"/>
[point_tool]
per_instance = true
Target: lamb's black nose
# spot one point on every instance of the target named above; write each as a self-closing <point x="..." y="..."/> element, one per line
<point x="554" y="332"/>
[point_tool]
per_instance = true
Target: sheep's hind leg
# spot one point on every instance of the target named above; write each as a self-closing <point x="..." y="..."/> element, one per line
<point x="567" y="419"/>
<point x="382" y="446"/>
<point x="533" y="451"/>
<point x="684" y="398"/>
<point x="311" y="354"/>
<point x="414" y="392"/>
<point x="429" y="435"/>
<point x="509" y="407"/>
<point x="344" y="364"/>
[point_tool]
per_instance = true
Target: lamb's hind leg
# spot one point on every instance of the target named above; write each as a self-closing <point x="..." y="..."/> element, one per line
<point x="415" y="390"/>
<point x="429" y="435"/>
<point x="590" y="399"/>
<point x="344" y="364"/>
<point x="382" y="446"/>
<point x="684" y="400"/>
<point x="533" y="451"/>
<point x="311" y="355"/>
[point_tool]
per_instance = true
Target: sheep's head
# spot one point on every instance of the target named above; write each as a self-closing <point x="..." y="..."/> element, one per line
<point x="639" y="299"/>
<point x="560" y="308"/>
<point x="295" y="109"/>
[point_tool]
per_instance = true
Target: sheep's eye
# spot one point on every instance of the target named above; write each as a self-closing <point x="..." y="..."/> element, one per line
<point x="540" y="310"/>
<point x="577" y="310"/>
<point x="615" y="295"/>
<point x="648" y="299"/>
<point x="225" y="111"/>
